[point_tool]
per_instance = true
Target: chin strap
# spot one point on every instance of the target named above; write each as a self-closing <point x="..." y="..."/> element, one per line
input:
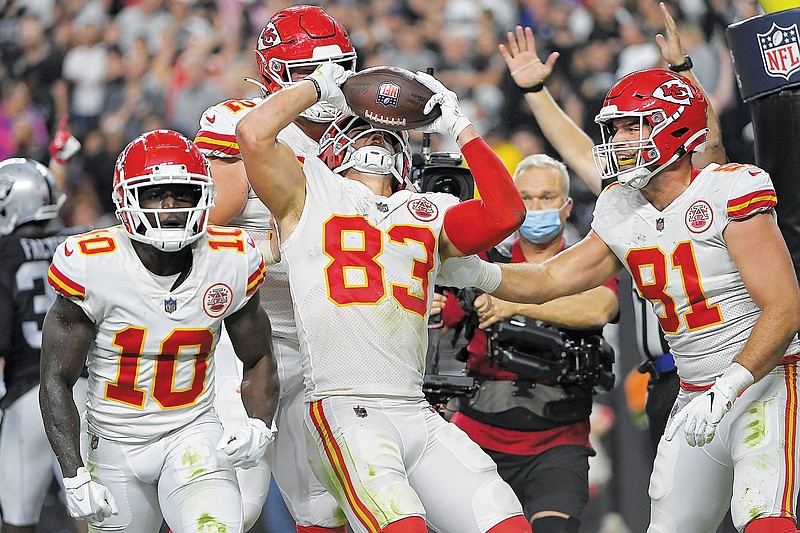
<point x="258" y="84"/>
<point x="372" y="160"/>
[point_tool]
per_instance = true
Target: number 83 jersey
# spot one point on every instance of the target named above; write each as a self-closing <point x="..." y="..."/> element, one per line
<point x="680" y="262"/>
<point x="151" y="369"/>
<point x="361" y="270"/>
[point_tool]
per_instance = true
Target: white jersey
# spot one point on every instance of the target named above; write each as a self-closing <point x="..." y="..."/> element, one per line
<point x="679" y="261"/>
<point x="361" y="270"/>
<point x="217" y="138"/>
<point x="151" y="369"/>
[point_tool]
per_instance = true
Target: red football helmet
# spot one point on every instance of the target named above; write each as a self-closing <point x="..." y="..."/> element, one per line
<point x="297" y="37"/>
<point x="673" y="108"/>
<point x="337" y="150"/>
<point x="155" y="158"/>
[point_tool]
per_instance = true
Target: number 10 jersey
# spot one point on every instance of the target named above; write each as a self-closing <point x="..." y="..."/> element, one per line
<point x="151" y="369"/>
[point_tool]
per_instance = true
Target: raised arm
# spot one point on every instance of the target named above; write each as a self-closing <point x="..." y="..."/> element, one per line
<point x="67" y="335"/>
<point x="272" y="167"/>
<point x="672" y="52"/>
<point x="569" y="140"/>
<point x="476" y="225"/>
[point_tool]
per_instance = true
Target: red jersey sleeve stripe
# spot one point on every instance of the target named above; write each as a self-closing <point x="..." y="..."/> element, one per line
<point x="256" y="278"/>
<point x="753" y="207"/>
<point x="63" y="285"/>
<point x="208" y="140"/>
<point x="749" y="203"/>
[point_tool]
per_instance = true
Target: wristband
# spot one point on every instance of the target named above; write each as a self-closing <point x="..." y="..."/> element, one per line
<point x="316" y="86"/>
<point x="489" y="277"/>
<point x="686" y="65"/>
<point x="738" y="378"/>
<point x="535" y="88"/>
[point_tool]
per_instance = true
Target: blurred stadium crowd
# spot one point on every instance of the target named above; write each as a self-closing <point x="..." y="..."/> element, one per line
<point x="119" y="68"/>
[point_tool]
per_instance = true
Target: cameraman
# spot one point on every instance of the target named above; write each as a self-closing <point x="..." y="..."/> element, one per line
<point x="545" y="460"/>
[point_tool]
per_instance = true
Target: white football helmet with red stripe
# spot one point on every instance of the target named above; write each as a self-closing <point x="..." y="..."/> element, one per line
<point x="673" y="108"/>
<point x="293" y="43"/>
<point x="162" y="157"/>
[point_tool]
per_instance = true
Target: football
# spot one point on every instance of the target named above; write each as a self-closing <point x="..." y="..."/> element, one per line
<point x="389" y="97"/>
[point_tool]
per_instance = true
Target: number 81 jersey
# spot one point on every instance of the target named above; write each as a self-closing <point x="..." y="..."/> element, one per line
<point x="679" y="261"/>
<point x="151" y="369"/>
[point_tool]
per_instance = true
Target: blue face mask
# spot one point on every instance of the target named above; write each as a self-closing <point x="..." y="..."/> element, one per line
<point x="543" y="225"/>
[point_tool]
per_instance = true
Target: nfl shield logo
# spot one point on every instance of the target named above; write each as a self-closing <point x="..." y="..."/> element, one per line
<point x="170" y="305"/>
<point x="780" y="51"/>
<point x="660" y="224"/>
<point x="387" y="94"/>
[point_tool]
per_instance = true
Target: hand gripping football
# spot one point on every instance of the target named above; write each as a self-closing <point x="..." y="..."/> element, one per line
<point x="389" y="97"/>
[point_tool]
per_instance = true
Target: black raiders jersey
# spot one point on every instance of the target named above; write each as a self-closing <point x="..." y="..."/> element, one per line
<point x="24" y="260"/>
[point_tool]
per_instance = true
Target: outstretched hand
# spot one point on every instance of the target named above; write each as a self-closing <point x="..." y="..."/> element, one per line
<point x="671" y="49"/>
<point x="523" y="62"/>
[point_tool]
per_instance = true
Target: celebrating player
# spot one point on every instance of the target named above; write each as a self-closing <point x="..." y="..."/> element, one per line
<point x="146" y="301"/>
<point x="361" y="264"/>
<point x="29" y="202"/>
<point x="703" y="246"/>
<point x="286" y="51"/>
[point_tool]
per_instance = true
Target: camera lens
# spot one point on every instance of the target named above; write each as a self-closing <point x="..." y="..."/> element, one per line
<point x="447" y="184"/>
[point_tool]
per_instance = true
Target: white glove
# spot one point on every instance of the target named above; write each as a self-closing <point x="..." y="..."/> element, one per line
<point x="88" y="500"/>
<point x="703" y="413"/>
<point x="328" y="78"/>
<point x="452" y="121"/>
<point x="245" y="447"/>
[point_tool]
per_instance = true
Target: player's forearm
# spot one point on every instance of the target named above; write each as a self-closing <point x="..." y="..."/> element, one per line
<point x="261" y="125"/>
<point x="61" y="423"/>
<point x="260" y="388"/>
<point x="769" y="339"/>
<point x="588" y="310"/>
<point x="525" y="283"/>
<point x="714" y="151"/>
<point x="571" y="142"/>
<point x="477" y="225"/>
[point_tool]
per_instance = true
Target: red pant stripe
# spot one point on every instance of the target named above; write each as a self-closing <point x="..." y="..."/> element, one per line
<point x="790" y="440"/>
<point x="336" y="459"/>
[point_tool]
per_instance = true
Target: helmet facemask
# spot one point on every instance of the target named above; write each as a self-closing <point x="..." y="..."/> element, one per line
<point x="153" y="231"/>
<point x="337" y="149"/>
<point x="631" y="161"/>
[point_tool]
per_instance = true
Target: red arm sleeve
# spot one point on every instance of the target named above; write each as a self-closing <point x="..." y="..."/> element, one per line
<point x="477" y="225"/>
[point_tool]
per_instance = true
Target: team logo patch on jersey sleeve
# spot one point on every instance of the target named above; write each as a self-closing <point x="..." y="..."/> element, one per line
<point x="699" y="216"/>
<point x="423" y="209"/>
<point x="217" y="300"/>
